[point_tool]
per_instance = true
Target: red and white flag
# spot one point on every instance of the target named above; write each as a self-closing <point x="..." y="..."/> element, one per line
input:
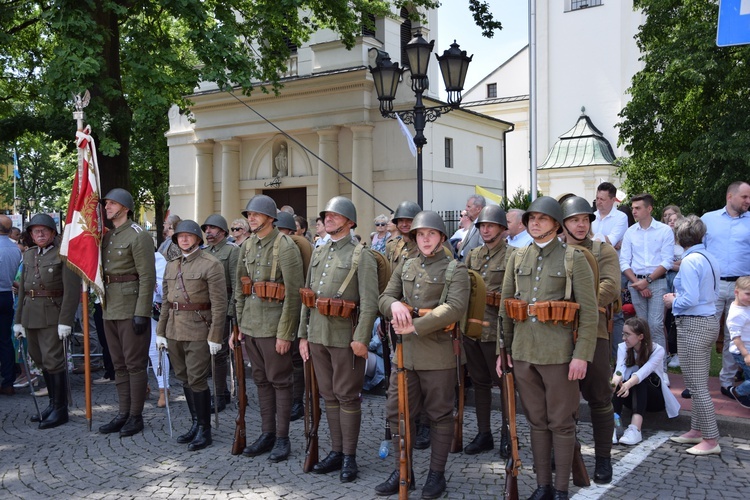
<point x="84" y="229"/>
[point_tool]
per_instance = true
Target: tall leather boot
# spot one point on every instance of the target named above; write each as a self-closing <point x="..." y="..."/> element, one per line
<point x="189" y="435"/>
<point x="203" y="410"/>
<point x="50" y="391"/>
<point x="59" y="414"/>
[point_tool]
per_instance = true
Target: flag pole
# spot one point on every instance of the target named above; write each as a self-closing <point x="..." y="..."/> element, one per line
<point x="78" y="115"/>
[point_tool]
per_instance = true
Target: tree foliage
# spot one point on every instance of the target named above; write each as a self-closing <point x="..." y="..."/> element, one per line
<point x="687" y="127"/>
<point x="138" y="57"/>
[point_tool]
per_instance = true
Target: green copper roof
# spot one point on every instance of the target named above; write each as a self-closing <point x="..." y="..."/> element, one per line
<point x="581" y="146"/>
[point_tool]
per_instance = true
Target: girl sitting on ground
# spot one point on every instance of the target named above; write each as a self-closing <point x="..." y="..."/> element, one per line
<point x="640" y="382"/>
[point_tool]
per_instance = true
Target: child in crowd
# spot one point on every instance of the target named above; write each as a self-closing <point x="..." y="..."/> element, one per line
<point x="738" y="323"/>
<point x="640" y="382"/>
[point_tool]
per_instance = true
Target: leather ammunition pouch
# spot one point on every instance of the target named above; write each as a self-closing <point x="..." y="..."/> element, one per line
<point x="308" y="297"/>
<point x="493" y="299"/>
<point x="557" y="311"/>
<point x="329" y="306"/>
<point x="247" y="285"/>
<point x="517" y="309"/>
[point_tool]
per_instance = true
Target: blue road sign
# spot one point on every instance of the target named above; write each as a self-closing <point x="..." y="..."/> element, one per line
<point x="734" y="23"/>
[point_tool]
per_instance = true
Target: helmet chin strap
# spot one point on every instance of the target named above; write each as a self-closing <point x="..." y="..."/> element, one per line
<point x="259" y="228"/>
<point x="542" y="236"/>
<point x="572" y="236"/>
<point x="337" y="230"/>
<point x="493" y="239"/>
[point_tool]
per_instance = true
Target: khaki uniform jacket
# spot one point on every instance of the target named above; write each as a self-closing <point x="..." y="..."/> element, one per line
<point x="128" y="249"/>
<point x="54" y="274"/>
<point x="268" y="318"/>
<point x="204" y="281"/>
<point x="398" y="249"/>
<point x="329" y="267"/>
<point x="540" y="276"/>
<point x="421" y="285"/>
<point x="228" y="253"/>
<point x="491" y="265"/>
<point x="609" y="279"/>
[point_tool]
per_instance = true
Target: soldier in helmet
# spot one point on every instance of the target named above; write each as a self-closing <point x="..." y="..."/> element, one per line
<point x="336" y="320"/>
<point x="287" y="224"/>
<point x="216" y="230"/>
<point x="489" y="261"/>
<point x="547" y="359"/>
<point x="191" y="324"/>
<point x="402" y="246"/>
<point x="268" y="305"/>
<point x="48" y="296"/>
<point x="421" y="283"/>
<point x="129" y="282"/>
<point x="577" y="218"/>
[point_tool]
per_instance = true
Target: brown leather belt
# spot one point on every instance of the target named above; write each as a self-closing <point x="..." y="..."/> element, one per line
<point x="204" y="306"/>
<point x="122" y="278"/>
<point x="44" y="293"/>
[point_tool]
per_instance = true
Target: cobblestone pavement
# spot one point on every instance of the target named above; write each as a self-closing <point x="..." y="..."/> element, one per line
<point x="70" y="462"/>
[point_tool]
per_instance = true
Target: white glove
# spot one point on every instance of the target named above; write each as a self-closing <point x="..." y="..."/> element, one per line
<point x="213" y="347"/>
<point x="63" y="331"/>
<point x="161" y="342"/>
<point x="19" y="330"/>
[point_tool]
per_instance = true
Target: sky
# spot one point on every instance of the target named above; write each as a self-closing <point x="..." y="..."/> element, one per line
<point x="455" y="21"/>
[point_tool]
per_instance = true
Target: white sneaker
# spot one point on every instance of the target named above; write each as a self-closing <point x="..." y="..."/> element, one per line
<point x="674" y="362"/>
<point x="614" y="437"/>
<point x="631" y="436"/>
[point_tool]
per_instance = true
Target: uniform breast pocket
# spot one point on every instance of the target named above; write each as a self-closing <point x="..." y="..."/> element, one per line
<point x="340" y="271"/>
<point x="556" y="281"/>
<point x="122" y="249"/>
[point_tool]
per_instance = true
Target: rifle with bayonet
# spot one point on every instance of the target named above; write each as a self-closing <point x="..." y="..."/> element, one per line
<point x="513" y="464"/>
<point x="457" y="445"/>
<point x="240" y="441"/>
<point x="404" y="422"/>
<point x="312" y="416"/>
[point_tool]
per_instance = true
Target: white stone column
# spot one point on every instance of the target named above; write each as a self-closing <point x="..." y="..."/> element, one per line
<point x="204" y="182"/>
<point x="230" y="180"/>
<point x="362" y="166"/>
<point x="328" y="180"/>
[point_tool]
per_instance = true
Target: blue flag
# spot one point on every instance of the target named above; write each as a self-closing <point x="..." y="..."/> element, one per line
<point x="15" y="166"/>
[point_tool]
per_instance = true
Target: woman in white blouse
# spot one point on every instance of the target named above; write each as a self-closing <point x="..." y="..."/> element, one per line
<point x="640" y="382"/>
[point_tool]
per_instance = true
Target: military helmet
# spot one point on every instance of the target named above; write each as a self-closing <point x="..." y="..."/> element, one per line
<point x="120" y="196"/>
<point x="261" y="204"/>
<point x="494" y="214"/>
<point x="563" y="197"/>
<point x="285" y="221"/>
<point x="41" y="220"/>
<point x="342" y="206"/>
<point x="406" y="210"/>
<point x="545" y="205"/>
<point x="427" y="219"/>
<point x="217" y="221"/>
<point x="188" y="226"/>
<point x="575" y="205"/>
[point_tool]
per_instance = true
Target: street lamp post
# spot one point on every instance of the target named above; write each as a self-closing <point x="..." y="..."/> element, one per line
<point x="386" y="74"/>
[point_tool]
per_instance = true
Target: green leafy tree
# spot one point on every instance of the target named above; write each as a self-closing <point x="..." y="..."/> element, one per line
<point x="138" y="57"/>
<point x="687" y="127"/>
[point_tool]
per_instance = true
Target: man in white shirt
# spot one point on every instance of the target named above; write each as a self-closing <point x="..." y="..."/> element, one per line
<point x="646" y="254"/>
<point x="517" y="235"/>
<point x="320" y="231"/>
<point x="728" y="239"/>
<point x="474" y="205"/>
<point x="610" y="224"/>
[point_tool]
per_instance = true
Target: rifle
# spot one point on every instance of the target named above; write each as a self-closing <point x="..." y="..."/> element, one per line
<point x="240" y="441"/>
<point x="580" y="474"/>
<point x="457" y="444"/>
<point x="404" y="423"/>
<point x="385" y="327"/>
<point x="513" y="464"/>
<point x="312" y="416"/>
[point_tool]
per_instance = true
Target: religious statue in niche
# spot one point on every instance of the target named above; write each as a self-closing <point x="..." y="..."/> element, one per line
<point x="281" y="162"/>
